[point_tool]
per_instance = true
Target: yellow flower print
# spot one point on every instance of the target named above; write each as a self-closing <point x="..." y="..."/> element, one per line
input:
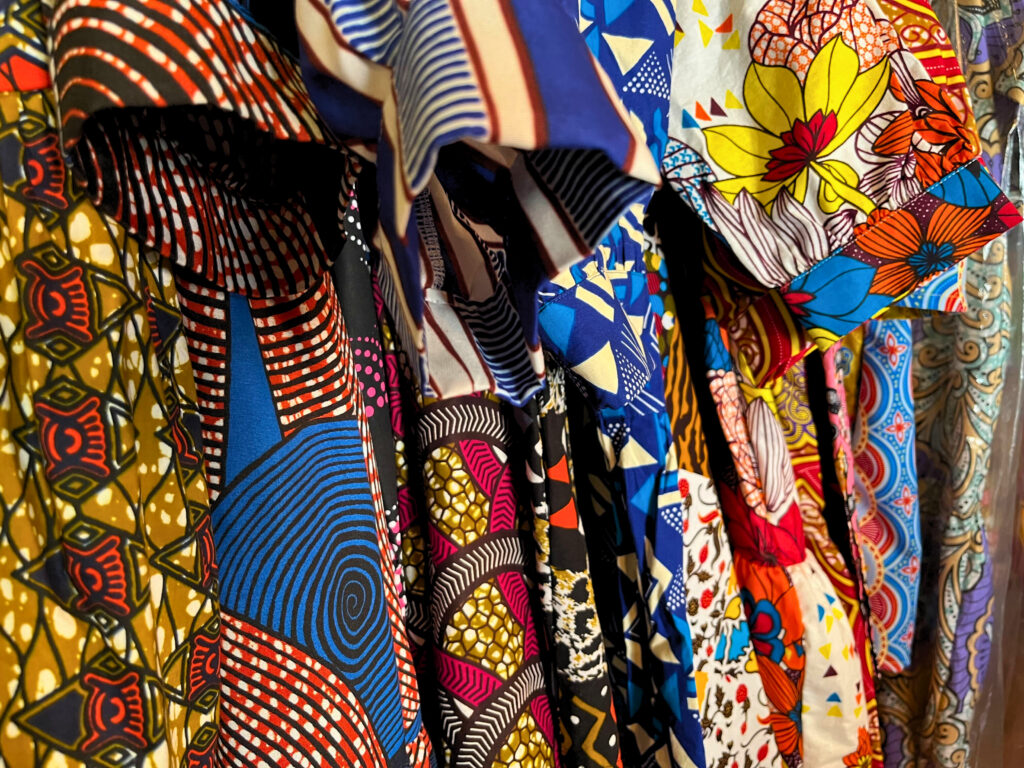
<point x="799" y="127"/>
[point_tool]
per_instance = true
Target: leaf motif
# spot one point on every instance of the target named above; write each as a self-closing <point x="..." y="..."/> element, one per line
<point x="859" y="102"/>
<point x="830" y="77"/>
<point x="773" y="458"/>
<point x="840" y="187"/>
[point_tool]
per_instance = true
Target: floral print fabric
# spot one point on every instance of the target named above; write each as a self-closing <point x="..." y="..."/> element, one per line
<point x="828" y="158"/>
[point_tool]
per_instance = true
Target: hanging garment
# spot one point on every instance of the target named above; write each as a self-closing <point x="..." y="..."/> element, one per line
<point x="487" y="652"/>
<point x="107" y="577"/>
<point x="310" y="602"/>
<point x="886" y="491"/>
<point x="596" y="319"/>
<point x="818" y="127"/>
<point x="504" y="168"/>
<point x="731" y="698"/>
<point x="792" y="394"/>
<point x="578" y="667"/>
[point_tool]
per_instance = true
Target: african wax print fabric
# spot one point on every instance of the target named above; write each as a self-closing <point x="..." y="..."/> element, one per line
<point x="588" y="733"/>
<point x="927" y="711"/>
<point x="798" y="155"/>
<point x="310" y="607"/>
<point x="801" y="429"/>
<point x="642" y="715"/>
<point x="731" y="699"/>
<point x="597" y="320"/>
<point x="109" y="649"/>
<point x="886" y="489"/>
<point x="493" y="700"/>
<point x="454" y="102"/>
<point x="795" y="615"/>
<point x="958" y="371"/>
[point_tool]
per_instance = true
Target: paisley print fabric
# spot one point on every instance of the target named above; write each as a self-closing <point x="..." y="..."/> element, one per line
<point x="927" y="710"/>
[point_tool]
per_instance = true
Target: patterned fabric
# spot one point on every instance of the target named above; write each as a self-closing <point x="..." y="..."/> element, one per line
<point x="109" y="587"/>
<point x="597" y="320"/>
<point x="503" y="164"/>
<point x="799" y="424"/>
<point x="297" y="510"/>
<point x="642" y="715"/>
<point x="732" y="701"/>
<point x="958" y="364"/>
<point x="886" y="491"/>
<point x="807" y="168"/>
<point x="494" y="706"/>
<point x="583" y="699"/>
<point x="771" y="605"/>
<point x="299" y="459"/>
<point x="791" y="605"/>
<point x="628" y="521"/>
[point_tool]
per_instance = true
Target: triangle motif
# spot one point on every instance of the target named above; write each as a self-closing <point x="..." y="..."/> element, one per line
<point x="706" y="33"/>
<point x="566" y="517"/>
<point x="627" y="50"/>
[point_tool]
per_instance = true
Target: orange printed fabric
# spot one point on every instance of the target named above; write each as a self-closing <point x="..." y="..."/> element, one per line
<point x="842" y="171"/>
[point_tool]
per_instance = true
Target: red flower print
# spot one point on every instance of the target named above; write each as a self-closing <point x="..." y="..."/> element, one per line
<point x="907" y="501"/>
<point x="114" y="713"/>
<point x="801" y="146"/>
<point x="909" y="255"/>
<point x="741" y="694"/>
<point x="100" y="575"/>
<point x="73" y="439"/>
<point x="899" y="427"/>
<point x="684" y="487"/>
<point x="707" y="598"/>
<point x="57" y="303"/>
<point x="893" y="350"/>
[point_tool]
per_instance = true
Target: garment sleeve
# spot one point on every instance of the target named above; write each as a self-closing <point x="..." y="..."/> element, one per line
<point x="837" y="158"/>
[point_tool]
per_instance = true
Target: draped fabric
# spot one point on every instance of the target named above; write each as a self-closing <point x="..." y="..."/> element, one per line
<point x="364" y="402"/>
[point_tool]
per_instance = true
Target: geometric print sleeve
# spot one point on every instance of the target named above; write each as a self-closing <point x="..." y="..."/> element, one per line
<point x="840" y="171"/>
